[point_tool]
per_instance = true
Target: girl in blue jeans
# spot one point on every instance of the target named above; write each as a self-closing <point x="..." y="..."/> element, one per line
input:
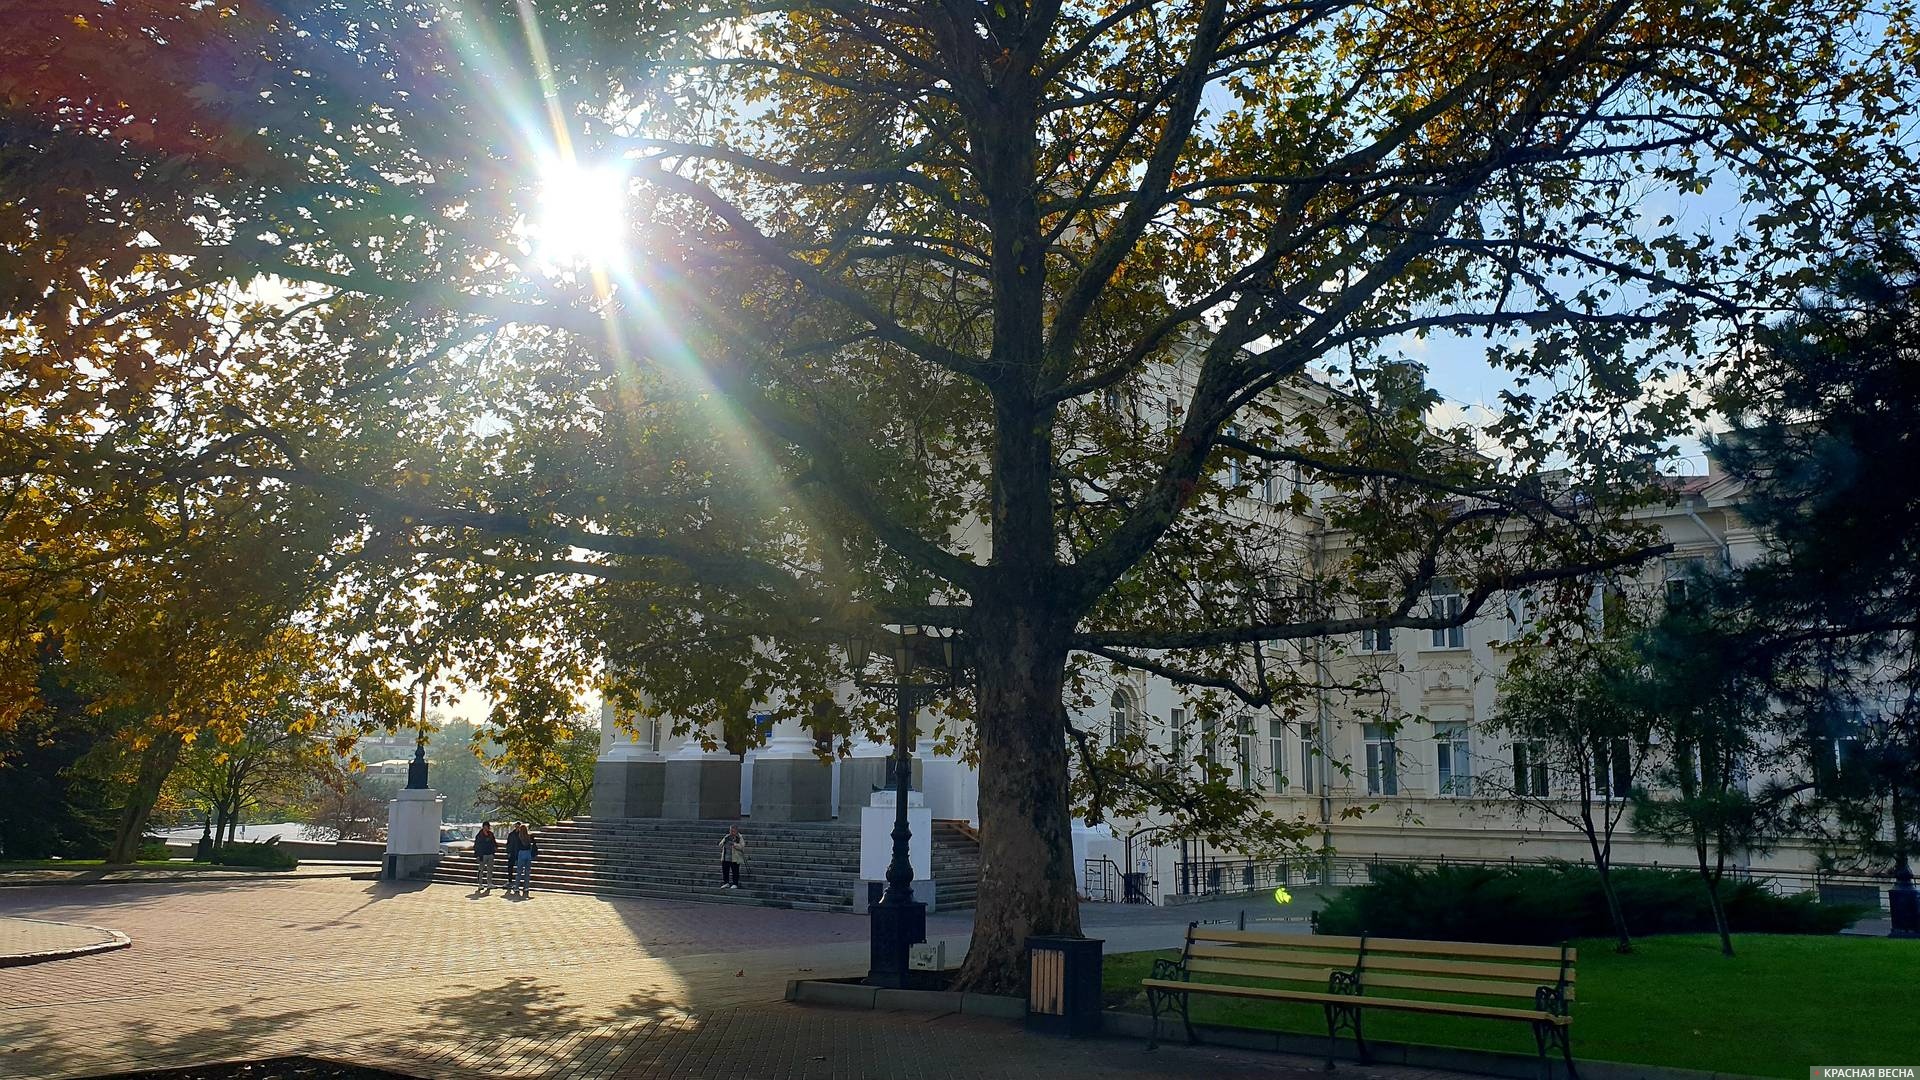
<point x="520" y="874"/>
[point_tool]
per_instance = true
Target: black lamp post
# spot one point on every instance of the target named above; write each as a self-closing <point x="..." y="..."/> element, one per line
<point x="899" y="922"/>
<point x="417" y="768"/>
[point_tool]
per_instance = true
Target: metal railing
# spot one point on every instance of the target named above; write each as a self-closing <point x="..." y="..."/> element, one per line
<point x="1101" y="880"/>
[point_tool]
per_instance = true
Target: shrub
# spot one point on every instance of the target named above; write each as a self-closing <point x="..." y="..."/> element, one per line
<point x="266" y="856"/>
<point x="1547" y="904"/>
<point x="152" y="851"/>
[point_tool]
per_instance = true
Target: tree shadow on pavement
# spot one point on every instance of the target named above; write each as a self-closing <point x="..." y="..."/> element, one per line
<point x="519" y="1026"/>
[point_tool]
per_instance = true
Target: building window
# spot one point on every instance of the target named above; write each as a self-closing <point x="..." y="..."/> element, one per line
<point x="1271" y="486"/>
<point x="1613" y="769"/>
<point x="1209" y="743"/>
<point x="1445" y="602"/>
<point x="1232" y="431"/>
<point x="1309" y="772"/>
<point x="1455" y="758"/>
<point x="1607" y="611"/>
<point x="1683" y="579"/>
<point x="1121" y="716"/>
<point x="1839" y="760"/>
<point x="1381" y="776"/>
<point x="1529" y="769"/>
<point x="1177" y="720"/>
<point x="1521" y="615"/>
<point x="1377" y="639"/>
<point x="1277" y="752"/>
<point x="1244" y="752"/>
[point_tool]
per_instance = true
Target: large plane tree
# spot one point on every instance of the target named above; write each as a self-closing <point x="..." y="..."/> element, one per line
<point x="693" y="336"/>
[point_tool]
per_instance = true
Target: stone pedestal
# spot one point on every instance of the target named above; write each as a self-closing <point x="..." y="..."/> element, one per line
<point x="413" y="832"/>
<point x="629" y="787"/>
<point x="876" y="845"/>
<point x="701" y="786"/>
<point x="792" y="788"/>
<point x="861" y="778"/>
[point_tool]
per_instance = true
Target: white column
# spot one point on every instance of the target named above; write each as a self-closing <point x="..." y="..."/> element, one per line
<point x="788" y="740"/>
<point x="618" y="744"/>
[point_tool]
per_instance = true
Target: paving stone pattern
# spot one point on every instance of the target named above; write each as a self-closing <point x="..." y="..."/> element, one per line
<point x="437" y="981"/>
<point x="22" y="939"/>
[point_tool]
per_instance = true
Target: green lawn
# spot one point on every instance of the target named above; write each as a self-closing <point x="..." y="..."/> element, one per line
<point x="96" y="864"/>
<point x="1782" y="1004"/>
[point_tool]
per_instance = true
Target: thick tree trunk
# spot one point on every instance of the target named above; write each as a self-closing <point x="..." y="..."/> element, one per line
<point x="1026" y="829"/>
<point x="156" y="764"/>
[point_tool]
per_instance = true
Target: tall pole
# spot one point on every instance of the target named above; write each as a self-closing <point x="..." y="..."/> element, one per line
<point x="897" y="922"/>
<point x="900" y="867"/>
<point x="417" y="769"/>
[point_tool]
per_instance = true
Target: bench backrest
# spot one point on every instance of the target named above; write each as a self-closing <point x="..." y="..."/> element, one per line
<point x="1382" y="965"/>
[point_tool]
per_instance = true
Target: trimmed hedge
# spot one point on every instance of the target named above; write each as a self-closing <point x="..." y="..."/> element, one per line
<point x="268" y="856"/>
<point x="153" y="851"/>
<point x="1548" y="904"/>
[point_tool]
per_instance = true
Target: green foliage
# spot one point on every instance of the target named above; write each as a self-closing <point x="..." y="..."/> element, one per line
<point x="268" y="856"/>
<point x="1545" y="905"/>
<point x="152" y="851"/>
<point x="543" y="787"/>
<point x="1825" y="427"/>
<point x="54" y="799"/>
<point x="866" y="282"/>
<point x="458" y="769"/>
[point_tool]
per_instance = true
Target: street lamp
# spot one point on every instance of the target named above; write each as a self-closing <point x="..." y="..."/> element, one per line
<point x="899" y="922"/>
<point x="417" y="768"/>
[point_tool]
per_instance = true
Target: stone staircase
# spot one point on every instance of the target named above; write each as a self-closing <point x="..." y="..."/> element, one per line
<point x="956" y="865"/>
<point x="807" y="865"/>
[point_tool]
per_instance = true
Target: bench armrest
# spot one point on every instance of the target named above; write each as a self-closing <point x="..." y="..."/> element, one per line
<point x="1169" y="969"/>
<point x="1550" y="999"/>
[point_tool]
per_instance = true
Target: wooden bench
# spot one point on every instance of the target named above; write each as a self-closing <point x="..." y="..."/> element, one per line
<point x="1348" y="975"/>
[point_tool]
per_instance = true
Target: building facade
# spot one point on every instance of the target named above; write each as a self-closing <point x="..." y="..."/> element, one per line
<point x="1412" y="772"/>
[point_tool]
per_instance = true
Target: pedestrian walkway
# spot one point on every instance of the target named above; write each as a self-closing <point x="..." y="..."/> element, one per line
<point x="442" y="980"/>
<point x="33" y="941"/>
<point x="149" y="875"/>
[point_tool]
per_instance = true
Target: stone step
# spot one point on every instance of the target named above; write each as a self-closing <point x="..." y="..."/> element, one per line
<point x="832" y="893"/>
<point x="789" y="864"/>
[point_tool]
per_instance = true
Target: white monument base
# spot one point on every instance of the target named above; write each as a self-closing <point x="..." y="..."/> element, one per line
<point x="413" y="832"/>
<point x="876" y="845"/>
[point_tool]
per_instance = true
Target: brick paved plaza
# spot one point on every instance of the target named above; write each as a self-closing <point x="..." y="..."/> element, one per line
<point x="436" y="981"/>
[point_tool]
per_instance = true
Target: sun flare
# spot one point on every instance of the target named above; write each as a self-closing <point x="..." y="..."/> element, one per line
<point x="581" y="215"/>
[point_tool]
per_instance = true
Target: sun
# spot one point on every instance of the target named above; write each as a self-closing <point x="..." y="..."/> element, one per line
<point x="581" y="215"/>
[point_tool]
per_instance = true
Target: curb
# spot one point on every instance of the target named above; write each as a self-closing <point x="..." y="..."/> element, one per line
<point x="197" y="877"/>
<point x="844" y="995"/>
<point x="1418" y="1055"/>
<point x="847" y="995"/>
<point x="115" y="940"/>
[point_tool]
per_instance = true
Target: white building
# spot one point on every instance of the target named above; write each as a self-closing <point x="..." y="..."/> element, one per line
<point x="1417" y="790"/>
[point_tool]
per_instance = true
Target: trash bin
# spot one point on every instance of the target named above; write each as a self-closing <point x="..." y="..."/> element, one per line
<point x="1063" y="985"/>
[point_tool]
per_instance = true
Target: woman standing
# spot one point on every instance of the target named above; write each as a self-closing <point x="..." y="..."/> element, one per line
<point x="521" y="874"/>
<point x="733" y="854"/>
